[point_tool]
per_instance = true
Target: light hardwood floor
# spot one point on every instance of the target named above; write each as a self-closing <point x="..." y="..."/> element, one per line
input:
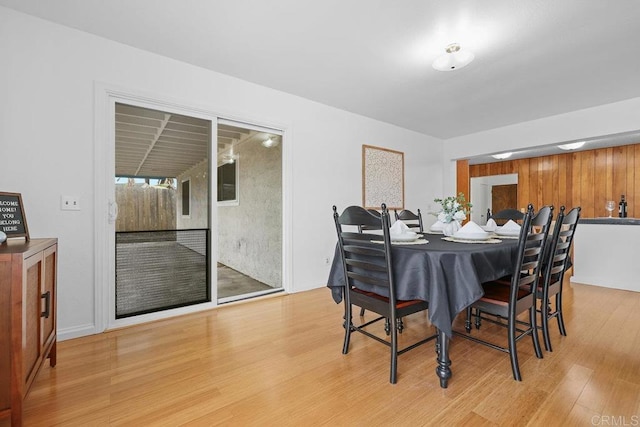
<point x="278" y="361"/>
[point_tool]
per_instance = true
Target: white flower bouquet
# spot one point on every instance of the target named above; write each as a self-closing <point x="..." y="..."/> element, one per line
<point x="453" y="208"/>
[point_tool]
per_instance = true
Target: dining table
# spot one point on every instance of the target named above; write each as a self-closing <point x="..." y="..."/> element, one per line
<point x="448" y="274"/>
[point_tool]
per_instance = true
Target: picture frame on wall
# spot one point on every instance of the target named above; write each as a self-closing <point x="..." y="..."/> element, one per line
<point x="13" y="222"/>
<point x="382" y="178"/>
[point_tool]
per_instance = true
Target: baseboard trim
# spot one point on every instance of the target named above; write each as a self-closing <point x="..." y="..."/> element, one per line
<point x="76" y="332"/>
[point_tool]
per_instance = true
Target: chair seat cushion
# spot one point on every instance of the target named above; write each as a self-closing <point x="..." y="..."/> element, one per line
<point x="506" y="281"/>
<point x="399" y="303"/>
<point x="497" y="292"/>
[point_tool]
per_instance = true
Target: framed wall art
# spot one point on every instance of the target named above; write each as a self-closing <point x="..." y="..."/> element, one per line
<point x="382" y="178"/>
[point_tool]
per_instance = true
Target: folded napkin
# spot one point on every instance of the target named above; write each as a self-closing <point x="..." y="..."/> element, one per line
<point x="491" y="225"/>
<point x="511" y="226"/>
<point x="471" y="227"/>
<point x="437" y="226"/>
<point x="400" y="227"/>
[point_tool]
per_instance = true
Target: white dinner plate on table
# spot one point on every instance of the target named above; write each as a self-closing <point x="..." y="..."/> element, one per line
<point x="472" y="235"/>
<point x="409" y="237"/>
<point x="512" y="233"/>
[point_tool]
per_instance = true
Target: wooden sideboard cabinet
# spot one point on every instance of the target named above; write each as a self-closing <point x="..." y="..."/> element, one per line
<point x="28" y="275"/>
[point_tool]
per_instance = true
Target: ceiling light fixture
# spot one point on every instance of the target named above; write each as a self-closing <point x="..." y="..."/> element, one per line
<point x="571" y="146"/>
<point x="270" y="142"/>
<point x="454" y="59"/>
<point x="501" y="156"/>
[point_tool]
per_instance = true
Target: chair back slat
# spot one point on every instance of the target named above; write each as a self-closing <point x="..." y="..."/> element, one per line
<point x="374" y="281"/>
<point x="361" y="250"/>
<point x="359" y="236"/>
<point x="364" y="265"/>
<point x="526" y="279"/>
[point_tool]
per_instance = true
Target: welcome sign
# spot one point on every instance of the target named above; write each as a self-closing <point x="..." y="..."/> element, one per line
<point x="12" y="220"/>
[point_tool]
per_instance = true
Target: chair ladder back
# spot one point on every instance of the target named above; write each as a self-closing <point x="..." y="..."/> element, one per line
<point x="559" y="252"/>
<point x="531" y="250"/>
<point x="363" y="262"/>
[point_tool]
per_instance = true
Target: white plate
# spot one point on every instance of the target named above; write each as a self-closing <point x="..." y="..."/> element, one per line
<point x="408" y="237"/>
<point x="471" y="235"/>
<point x="501" y="232"/>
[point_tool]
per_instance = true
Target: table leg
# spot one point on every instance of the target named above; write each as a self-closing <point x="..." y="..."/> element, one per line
<point x="443" y="370"/>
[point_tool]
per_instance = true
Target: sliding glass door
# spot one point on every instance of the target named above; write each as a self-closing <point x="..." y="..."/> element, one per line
<point x="249" y="204"/>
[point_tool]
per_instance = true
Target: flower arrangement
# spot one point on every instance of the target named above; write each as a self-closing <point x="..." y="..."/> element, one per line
<point x="453" y="208"/>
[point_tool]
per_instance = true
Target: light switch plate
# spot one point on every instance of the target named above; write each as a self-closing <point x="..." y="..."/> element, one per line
<point x="70" y="203"/>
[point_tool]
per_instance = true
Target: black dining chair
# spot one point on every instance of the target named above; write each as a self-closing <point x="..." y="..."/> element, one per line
<point x="506" y="302"/>
<point x="556" y="264"/>
<point x="412" y="220"/>
<point x="370" y="227"/>
<point x="505" y="215"/>
<point x="366" y="260"/>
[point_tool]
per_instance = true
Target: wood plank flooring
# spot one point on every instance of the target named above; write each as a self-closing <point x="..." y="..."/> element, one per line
<point x="278" y="361"/>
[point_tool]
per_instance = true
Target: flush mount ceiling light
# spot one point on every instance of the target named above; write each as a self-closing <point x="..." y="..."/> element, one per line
<point x="270" y="142"/>
<point x="571" y="146"/>
<point x="454" y="59"/>
<point x="501" y="156"/>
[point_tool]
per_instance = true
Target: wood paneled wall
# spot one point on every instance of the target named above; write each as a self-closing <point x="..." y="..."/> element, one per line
<point x="585" y="178"/>
<point x="463" y="182"/>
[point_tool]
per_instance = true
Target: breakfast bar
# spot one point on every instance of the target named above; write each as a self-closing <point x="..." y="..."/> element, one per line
<point x="605" y="255"/>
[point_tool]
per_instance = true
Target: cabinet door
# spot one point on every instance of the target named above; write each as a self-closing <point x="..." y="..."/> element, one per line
<point x="5" y="332"/>
<point x="49" y="294"/>
<point x="31" y="310"/>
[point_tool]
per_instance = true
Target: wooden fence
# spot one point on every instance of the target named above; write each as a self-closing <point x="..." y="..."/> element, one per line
<point x="145" y="208"/>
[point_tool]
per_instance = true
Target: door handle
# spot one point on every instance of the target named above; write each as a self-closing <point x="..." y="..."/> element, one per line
<point x="113" y="211"/>
<point x="47" y="304"/>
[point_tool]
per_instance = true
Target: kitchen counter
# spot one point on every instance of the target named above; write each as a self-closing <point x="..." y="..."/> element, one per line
<point x="604" y="253"/>
<point x="614" y="220"/>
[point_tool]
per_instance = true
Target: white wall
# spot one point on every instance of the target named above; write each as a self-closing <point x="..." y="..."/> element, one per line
<point x="47" y="124"/>
<point x="606" y="119"/>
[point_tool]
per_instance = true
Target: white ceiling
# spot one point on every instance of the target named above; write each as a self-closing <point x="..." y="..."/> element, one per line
<point x="534" y="58"/>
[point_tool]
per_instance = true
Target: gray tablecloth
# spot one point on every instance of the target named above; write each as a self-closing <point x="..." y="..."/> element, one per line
<point x="447" y="274"/>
